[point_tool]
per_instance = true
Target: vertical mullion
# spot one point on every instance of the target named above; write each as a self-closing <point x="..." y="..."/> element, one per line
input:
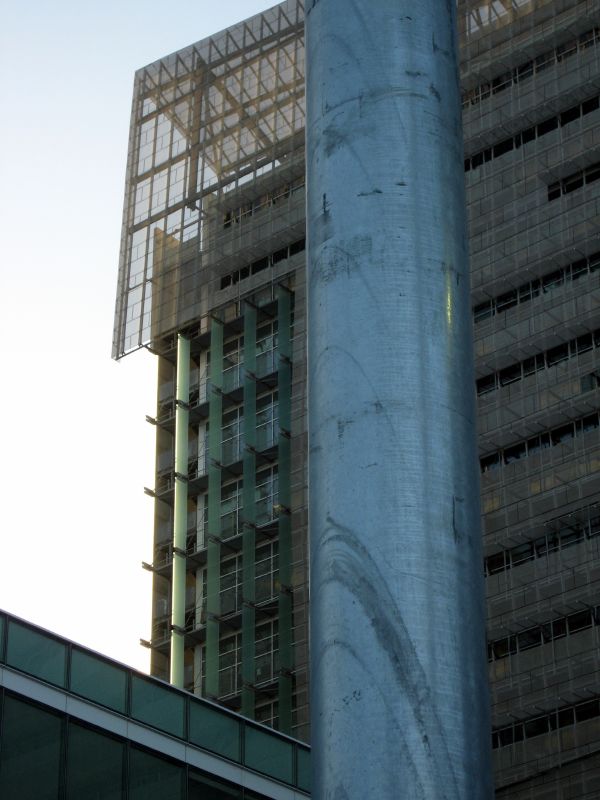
<point x="249" y="503"/>
<point x="284" y="384"/>
<point x="182" y="396"/>
<point x="213" y="560"/>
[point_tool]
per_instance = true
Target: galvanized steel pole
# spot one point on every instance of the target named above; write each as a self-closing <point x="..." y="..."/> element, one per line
<point x="398" y="675"/>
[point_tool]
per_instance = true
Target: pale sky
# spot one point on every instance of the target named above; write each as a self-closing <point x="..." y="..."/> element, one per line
<point x="77" y="451"/>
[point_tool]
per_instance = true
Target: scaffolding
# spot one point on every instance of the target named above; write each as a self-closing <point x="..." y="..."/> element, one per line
<point x="213" y="248"/>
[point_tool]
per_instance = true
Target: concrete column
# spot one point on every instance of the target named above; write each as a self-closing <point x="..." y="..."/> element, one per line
<point x="399" y="696"/>
<point x="182" y="396"/>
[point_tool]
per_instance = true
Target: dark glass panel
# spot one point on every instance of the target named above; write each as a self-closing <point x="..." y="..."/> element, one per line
<point x="495" y="563"/>
<point x="548" y="125"/>
<point x="530" y="638"/>
<point x="153" y="778"/>
<point x="536" y="727"/>
<point x="2" y="628"/>
<point x="266" y="753"/>
<point x="35" y="653"/>
<point x="30" y="754"/>
<point x="298" y="247"/>
<point x="580" y="621"/>
<point x="586" y="711"/>
<point x="522" y="553"/>
<point x="506" y="736"/>
<point x="515" y="452"/>
<point x="202" y="788"/>
<point x="518" y="732"/>
<point x="510" y="374"/>
<point x="98" y="680"/>
<point x="487" y="384"/>
<point x="303" y="768"/>
<point x="94" y="765"/>
<point x="214" y="730"/>
<point x="157" y="705"/>
<point x="566" y="717"/>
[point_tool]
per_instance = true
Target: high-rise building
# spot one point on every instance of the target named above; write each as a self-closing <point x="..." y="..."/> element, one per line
<point x="212" y="279"/>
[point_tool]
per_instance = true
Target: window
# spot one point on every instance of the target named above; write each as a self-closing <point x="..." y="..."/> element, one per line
<point x="231" y="508"/>
<point x="232" y="435"/>
<point x="267" y="421"/>
<point x="230" y="665"/>
<point x="94" y="765"/>
<point x="30" y="736"/>
<point x="266" y="495"/>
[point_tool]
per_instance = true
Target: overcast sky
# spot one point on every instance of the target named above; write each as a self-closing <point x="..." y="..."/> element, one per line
<point x="76" y="451"/>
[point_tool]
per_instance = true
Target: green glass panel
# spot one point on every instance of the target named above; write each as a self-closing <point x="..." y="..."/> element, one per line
<point x="98" y="680"/>
<point x="266" y="753"/>
<point x="214" y="730"/>
<point x="303" y="768"/>
<point x="2" y="629"/>
<point x="153" y="778"/>
<point x="30" y="754"/>
<point x="35" y="653"/>
<point x="94" y="765"/>
<point x="157" y="705"/>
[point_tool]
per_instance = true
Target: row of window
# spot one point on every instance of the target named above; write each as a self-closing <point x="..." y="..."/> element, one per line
<point x="528" y="291"/>
<point x="264" y="201"/>
<point x="532" y="133"/>
<point x="537" y="726"/>
<point x="574" y="181"/>
<point x="549" y="358"/>
<point x="233" y="374"/>
<point x="529" y="447"/>
<point x="529" y="68"/>
<point x="266" y="658"/>
<point x="45" y="755"/>
<point x="541" y="546"/>
<point x="543" y="634"/>
<point x="260" y="264"/>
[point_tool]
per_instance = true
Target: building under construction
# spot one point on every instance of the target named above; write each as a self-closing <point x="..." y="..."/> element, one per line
<point x="212" y="279"/>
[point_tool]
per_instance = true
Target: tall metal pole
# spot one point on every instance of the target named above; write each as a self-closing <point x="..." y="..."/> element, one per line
<point x="398" y="675"/>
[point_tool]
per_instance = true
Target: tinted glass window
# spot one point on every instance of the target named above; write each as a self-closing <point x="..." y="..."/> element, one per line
<point x="266" y="753"/>
<point x="35" y="653"/>
<point x="303" y="769"/>
<point x="214" y="731"/>
<point x="94" y="765"/>
<point x="98" y="680"/>
<point x="30" y="754"/>
<point x="152" y="778"/>
<point x="203" y="788"/>
<point x="157" y="705"/>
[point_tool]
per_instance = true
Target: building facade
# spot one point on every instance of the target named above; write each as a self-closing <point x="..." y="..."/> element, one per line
<point x="76" y="724"/>
<point x="212" y="279"/>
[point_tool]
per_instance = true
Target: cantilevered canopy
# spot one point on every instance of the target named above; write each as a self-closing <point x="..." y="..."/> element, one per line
<point x="206" y="122"/>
